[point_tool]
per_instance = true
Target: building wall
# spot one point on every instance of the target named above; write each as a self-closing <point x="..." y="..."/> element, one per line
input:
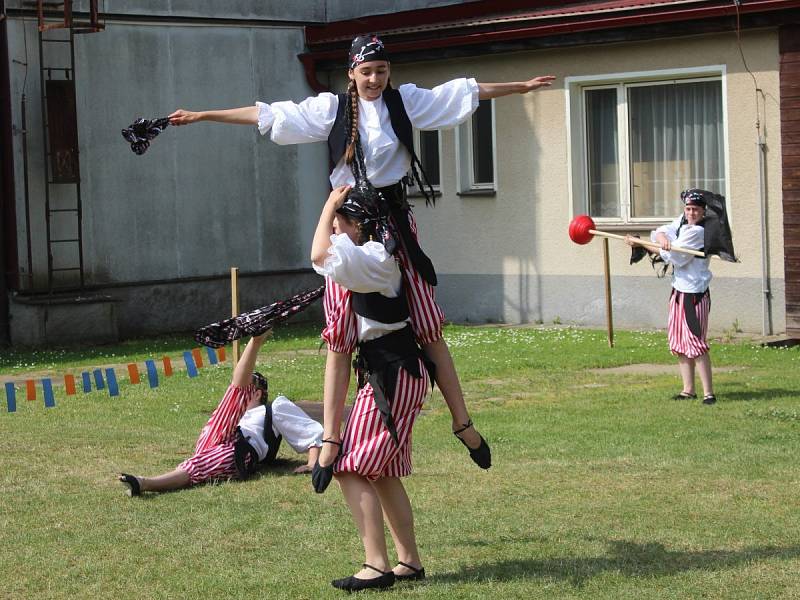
<point x="513" y="249"/>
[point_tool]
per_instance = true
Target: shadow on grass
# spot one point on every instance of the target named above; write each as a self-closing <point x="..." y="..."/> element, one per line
<point x="756" y="395"/>
<point x="630" y="559"/>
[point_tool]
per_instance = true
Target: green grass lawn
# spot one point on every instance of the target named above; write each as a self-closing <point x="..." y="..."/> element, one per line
<point x="601" y="487"/>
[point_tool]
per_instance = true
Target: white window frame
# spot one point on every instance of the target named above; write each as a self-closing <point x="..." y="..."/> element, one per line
<point x="577" y="163"/>
<point x="465" y="174"/>
<point x="412" y="187"/>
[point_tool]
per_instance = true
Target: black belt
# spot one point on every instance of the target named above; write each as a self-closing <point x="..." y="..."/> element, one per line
<point x="689" y="308"/>
<point x="399" y="209"/>
<point x="378" y="363"/>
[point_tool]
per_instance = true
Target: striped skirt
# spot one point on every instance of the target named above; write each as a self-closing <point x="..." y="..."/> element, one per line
<point x="213" y="453"/>
<point x="681" y="339"/>
<point x="367" y="447"/>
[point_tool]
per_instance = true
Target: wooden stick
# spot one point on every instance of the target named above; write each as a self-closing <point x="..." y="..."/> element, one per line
<point x="653" y="245"/>
<point x="235" y="311"/>
<point x="609" y="315"/>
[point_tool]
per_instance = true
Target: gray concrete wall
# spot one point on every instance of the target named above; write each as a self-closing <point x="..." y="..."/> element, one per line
<point x="203" y="198"/>
<point x="278" y="10"/>
<point x="339" y="10"/>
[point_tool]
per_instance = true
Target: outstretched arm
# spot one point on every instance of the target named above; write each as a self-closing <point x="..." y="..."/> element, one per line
<point x="243" y="373"/>
<point x="322" y="235"/>
<point x="497" y="90"/>
<point x="246" y="115"/>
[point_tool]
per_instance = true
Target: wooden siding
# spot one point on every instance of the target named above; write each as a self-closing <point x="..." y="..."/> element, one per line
<point x="789" y="40"/>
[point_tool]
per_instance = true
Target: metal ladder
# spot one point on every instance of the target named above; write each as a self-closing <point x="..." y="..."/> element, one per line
<point x="63" y="215"/>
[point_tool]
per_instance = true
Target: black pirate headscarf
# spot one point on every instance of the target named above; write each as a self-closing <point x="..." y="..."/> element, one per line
<point x="255" y="322"/>
<point x="141" y="131"/>
<point x="366" y="48"/>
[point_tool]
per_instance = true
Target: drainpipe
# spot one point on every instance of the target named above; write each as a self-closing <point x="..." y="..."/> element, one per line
<point x="766" y="326"/>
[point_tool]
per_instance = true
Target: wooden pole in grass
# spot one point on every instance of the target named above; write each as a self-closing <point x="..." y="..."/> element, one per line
<point x="235" y="311"/>
<point x="607" y="273"/>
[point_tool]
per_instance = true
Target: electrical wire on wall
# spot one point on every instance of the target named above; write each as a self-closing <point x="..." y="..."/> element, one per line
<point x="761" y="146"/>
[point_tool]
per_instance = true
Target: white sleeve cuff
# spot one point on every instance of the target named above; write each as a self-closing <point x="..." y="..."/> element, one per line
<point x="266" y="118"/>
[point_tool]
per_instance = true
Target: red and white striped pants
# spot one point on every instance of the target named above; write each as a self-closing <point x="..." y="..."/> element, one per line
<point x="213" y="454"/>
<point x="681" y="339"/>
<point x="367" y="447"/>
<point x="427" y="317"/>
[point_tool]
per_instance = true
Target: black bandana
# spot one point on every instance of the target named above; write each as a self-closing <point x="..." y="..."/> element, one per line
<point x="256" y="321"/>
<point x="693" y="197"/>
<point x="366" y="48"/>
<point x="141" y="131"/>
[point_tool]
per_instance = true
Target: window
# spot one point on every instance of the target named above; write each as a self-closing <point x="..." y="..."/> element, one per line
<point x="476" y="147"/>
<point x="426" y="145"/>
<point x="638" y="141"/>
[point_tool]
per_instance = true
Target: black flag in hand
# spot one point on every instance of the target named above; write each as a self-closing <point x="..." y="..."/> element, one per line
<point x="141" y="131"/>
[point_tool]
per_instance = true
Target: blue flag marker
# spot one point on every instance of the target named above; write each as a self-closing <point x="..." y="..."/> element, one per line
<point x="47" y="388"/>
<point x="98" y="379"/>
<point x="87" y="382"/>
<point x="111" y="377"/>
<point x="191" y="369"/>
<point x="11" y="397"/>
<point x="212" y="356"/>
<point x="152" y="374"/>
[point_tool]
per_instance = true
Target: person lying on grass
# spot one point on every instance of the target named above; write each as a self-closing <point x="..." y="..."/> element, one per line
<point x="243" y="433"/>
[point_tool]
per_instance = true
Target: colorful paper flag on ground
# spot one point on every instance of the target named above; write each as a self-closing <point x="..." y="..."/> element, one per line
<point x="221" y="353"/>
<point x="47" y="388"/>
<point x="212" y="356"/>
<point x="30" y="389"/>
<point x="111" y="378"/>
<point x="167" y="366"/>
<point x="69" y="384"/>
<point x="133" y="372"/>
<point x="87" y="382"/>
<point x="198" y="358"/>
<point x="98" y="379"/>
<point x="152" y="374"/>
<point x="191" y="370"/>
<point x="11" y="397"/>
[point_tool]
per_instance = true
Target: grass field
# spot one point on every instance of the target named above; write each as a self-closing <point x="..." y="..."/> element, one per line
<point x="601" y="486"/>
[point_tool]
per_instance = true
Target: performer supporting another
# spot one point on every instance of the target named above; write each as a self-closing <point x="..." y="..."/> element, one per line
<point x="394" y="377"/>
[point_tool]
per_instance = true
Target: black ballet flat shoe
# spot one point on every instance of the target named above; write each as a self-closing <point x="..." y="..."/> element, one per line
<point x="415" y="575"/>
<point x="321" y="476"/>
<point x="482" y="455"/>
<point x="131" y="483"/>
<point x="354" y="584"/>
<point x="709" y="399"/>
<point x="684" y="396"/>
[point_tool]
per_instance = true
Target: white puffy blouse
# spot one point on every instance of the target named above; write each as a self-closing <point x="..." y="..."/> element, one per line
<point x="368" y="268"/>
<point x="445" y="106"/>
<point x="690" y="274"/>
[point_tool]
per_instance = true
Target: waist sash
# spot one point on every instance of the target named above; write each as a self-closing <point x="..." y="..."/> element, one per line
<point x="378" y="363"/>
<point x="689" y="308"/>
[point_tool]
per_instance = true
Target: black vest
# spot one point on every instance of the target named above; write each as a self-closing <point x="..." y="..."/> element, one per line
<point x="380" y="308"/>
<point x="401" y="124"/>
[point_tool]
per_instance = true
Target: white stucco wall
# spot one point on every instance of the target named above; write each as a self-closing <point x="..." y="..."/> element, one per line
<point x="520" y="236"/>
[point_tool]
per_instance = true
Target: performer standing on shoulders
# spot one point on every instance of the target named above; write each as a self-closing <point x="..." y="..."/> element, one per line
<point x="382" y="119"/>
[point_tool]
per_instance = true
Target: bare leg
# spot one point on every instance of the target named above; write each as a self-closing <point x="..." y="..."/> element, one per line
<point x="174" y="480"/>
<point x="447" y="380"/>
<point x="397" y="510"/>
<point x="365" y="506"/>
<point x="686" y="366"/>
<point x="704" y="370"/>
<point x="337" y="380"/>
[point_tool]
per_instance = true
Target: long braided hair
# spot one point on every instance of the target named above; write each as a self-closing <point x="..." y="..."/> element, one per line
<point x="352" y="113"/>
